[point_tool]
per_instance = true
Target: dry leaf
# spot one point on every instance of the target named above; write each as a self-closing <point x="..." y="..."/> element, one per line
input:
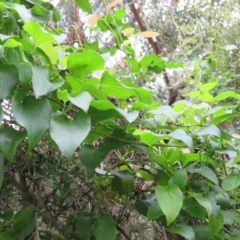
<point x="128" y="31"/>
<point x="149" y="34"/>
<point x="112" y="4"/>
<point x="121" y="64"/>
<point x="93" y="20"/>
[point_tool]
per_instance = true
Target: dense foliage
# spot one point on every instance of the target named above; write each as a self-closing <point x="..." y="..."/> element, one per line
<point x="87" y="153"/>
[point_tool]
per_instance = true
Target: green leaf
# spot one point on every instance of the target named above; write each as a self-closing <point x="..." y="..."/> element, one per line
<point x="91" y="157"/>
<point x="1" y="169"/>
<point x="216" y="223"/>
<point x="40" y="80"/>
<point x="105" y="228"/>
<point x="84" y="226"/>
<point x="25" y="73"/>
<point x="82" y="100"/>
<point x="20" y="9"/>
<point x="223" y="118"/>
<point x="85" y="63"/>
<point x="62" y="95"/>
<point x="194" y="157"/>
<point x="106" y="105"/>
<point x="207" y="86"/>
<point x="9" y="140"/>
<point x="181" y="135"/>
<point x="37" y="33"/>
<point x="1" y="115"/>
<point x="24" y="221"/>
<point x="183" y="230"/>
<point x="206" y="172"/>
<point x="142" y="205"/>
<point x="170" y="199"/>
<point x="224" y="95"/>
<point x="193" y="208"/>
<point x="84" y="5"/>
<point x="34" y="115"/>
<point x="123" y="182"/>
<point x="169" y="112"/>
<point x="179" y="178"/>
<point x="68" y="135"/>
<point x="8" y="80"/>
<point x="223" y="201"/>
<point x="112" y="88"/>
<point x="203" y="202"/>
<point x="209" y="130"/>
<point x="148" y="137"/>
<point x="231" y="182"/>
<point x="154" y="212"/>
<point x="201" y="232"/>
<point x="7" y="215"/>
<point x="8" y="235"/>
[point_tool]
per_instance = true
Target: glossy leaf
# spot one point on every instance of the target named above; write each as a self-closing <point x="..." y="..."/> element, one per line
<point x="170" y="199"/>
<point x="8" y="235"/>
<point x="142" y="205"/>
<point x="193" y="208"/>
<point x="181" y="135"/>
<point x="84" y="5"/>
<point x="82" y="100"/>
<point x="203" y="202"/>
<point x="20" y="9"/>
<point x="209" y="130"/>
<point x="123" y="182"/>
<point x="1" y="115"/>
<point x="105" y="228"/>
<point x="2" y="167"/>
<point x="183" y="230"/>
<point x="40" y="80"/>
<point x="169" y="112"/>
<point x="37" y="33"/>
<point x="91" y="157"/>
<point x="179" y="178"/>
<point x="84" y="226"/>
<point x="24" y="222"/>
<point x="9" y="140"/>
<point x="231" y="182"/>
<point x="85" y="63"/>
<point x="202" y="232"/>
<point x="112" y="88"/>
<point x="25" y="73"/>
<point x="34" y="115"/>
<point x="68" y="135"/>
<point x="216" y="223"/>
<point x="8" y="80"/>
<point x="206" y="172"/>
<point x="154" y="211"/>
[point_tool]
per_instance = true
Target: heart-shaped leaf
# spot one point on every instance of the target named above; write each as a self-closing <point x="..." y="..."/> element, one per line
<point x="8" y="80"/>
<point x="34" y="115"/>
<point x="67" y="134"/>
<point x="24" y="222"/>
<point x="82" y="100"/>
<point x="9" y="140"/>
<point x="179" y="134"/>
<point x="84" y="5"/>
<point x="170" y="199"/>
<point x="85" y="63"/>
<point x="1" y="169"/>
<point x="40" y="80"/>
<point x="184" y="230"/>
<point x="105" y="228"/>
